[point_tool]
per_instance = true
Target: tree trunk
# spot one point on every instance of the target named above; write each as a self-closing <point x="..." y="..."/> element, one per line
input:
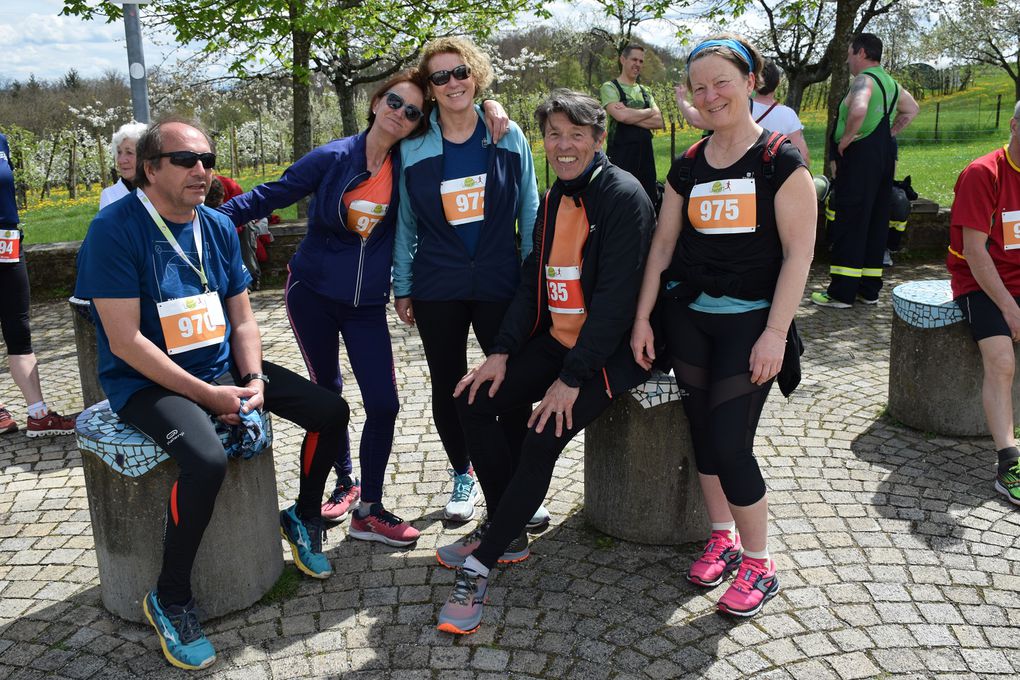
<point x="795" y="92"/>
<point x="301" y="91"/>
<point x="846" y="11"/>
<point x="72" y="169"/>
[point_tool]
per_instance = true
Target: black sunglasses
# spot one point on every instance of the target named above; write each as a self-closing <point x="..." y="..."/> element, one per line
<point x="411" y="112"/>
<point x="187" y="159"/>
<point x="443" y="77"/>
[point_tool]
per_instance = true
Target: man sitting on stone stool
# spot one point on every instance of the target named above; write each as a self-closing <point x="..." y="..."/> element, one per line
<point x="984" y="261"/>
<point x="177" y="342"/>
<point x="564" y="341"/>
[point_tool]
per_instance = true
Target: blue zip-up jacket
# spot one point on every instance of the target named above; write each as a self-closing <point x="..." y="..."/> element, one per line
<point x="430" y="262"/>
<point x="333" y="261"/>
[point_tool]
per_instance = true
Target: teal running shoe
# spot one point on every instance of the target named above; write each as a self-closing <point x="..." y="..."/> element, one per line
<point x="305" y="539"/>
<point x="180" y="634"/>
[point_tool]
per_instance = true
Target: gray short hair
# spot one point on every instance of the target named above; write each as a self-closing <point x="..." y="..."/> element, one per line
<point x="150" y="145"/>
<point x="580" y="108"/>
<point x="1016" y="111"/>
<point x="132" y="131"/>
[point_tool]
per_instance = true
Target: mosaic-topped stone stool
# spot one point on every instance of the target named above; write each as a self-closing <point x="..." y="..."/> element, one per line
<point x="640" y="449"/>
<point x="935" y="368"/>
<point x="128" y="481"/>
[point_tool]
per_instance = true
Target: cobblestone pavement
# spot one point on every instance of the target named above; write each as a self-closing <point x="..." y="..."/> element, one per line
<point x="896" y="556"/>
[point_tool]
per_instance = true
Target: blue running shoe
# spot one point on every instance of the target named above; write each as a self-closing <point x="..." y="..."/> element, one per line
<point x="305" y="539"/>
<point x="462" y="613"/>
<point x="180" y="634"/>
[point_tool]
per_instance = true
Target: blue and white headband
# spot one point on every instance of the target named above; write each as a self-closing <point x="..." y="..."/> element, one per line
<point x="725" y="42"/>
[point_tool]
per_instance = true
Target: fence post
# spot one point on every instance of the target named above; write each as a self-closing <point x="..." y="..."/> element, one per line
<point x="998" y="109"/>
<point x="672" y="138"/>
<point x="233" y="151"/>
<point x="938" y="105"/>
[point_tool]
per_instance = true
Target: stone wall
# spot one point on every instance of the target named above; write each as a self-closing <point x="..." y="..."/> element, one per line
<point x="52" y="267"/>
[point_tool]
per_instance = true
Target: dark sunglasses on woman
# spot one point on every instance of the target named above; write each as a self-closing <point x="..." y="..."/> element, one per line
<point x="187" y="159"/>
<point x="443" y="77"/>
<point x="411" y="112"/>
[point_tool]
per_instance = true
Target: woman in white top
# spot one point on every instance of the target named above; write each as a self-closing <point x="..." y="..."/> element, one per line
<point x="765" y="110"/>
<point x="123" y="147"/>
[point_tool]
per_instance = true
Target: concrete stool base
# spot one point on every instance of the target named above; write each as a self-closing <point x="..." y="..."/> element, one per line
<point x="240" y="557"/>
<point x="935" y="369"/>
<point x="640" y="482"/>
<point x="935" y="379"/>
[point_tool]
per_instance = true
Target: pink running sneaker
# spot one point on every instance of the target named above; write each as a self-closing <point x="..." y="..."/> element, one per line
<point x="7" y="422"/>
<point x="345" y="495"/>
<point x="756" y="584"/>
<point x="721" y="556"/>
<point x="383" y="526"/>
<point x="50" y="424"/>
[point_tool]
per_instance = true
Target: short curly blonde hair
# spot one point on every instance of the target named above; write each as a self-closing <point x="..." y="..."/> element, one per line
<point x="477" y="61"/>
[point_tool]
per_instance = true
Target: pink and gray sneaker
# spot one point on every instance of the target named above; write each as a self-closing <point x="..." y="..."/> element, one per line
<point x="722" y="555"/>
<point x="344" y="496"/>
<point x="756" y="584"/>
<point x="382" y="526"/>
<point x="50" y="424"/>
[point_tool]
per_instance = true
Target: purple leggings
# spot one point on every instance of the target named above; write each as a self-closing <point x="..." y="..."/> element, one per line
<point x="318" y="324"/>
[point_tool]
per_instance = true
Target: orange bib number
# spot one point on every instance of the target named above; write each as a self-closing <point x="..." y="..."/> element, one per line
<point x="1011" y="229"/>
<point x="463" y="199"/>
<point x="724" y="207"/>
<point x="192" y="322"/>
<point x="10" y="246"/>
<point x="363" y="216"/>
<point x="564" y="284"/>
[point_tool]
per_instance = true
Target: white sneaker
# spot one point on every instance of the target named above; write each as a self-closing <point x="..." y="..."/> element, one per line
<point x="540" y="520"/>
<point x="466" y="493"/>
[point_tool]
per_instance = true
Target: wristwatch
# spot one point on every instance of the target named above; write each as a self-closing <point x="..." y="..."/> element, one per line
<point x="255" y="376"/>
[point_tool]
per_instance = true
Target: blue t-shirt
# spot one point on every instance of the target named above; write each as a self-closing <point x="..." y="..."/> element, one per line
<point x="466" y="162"/>
<point x="8" y="200"/>
<point x="124" y="255"/>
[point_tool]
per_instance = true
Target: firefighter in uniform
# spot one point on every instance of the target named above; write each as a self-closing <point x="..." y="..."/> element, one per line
<point x="864" y="165"/>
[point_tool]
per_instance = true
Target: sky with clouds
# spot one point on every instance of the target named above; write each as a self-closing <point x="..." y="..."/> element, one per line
<point x="37" y="40"/>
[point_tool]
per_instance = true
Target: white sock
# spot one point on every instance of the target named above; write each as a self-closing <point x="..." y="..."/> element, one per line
<point x="731" y="527"/>
<point x="762" y="555"/>
<point x="364" y="509"/>
<point x="471" y="564"/>
<point x="38" y="409"/>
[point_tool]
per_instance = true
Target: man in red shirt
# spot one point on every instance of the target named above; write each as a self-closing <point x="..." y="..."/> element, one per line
<point x="984" y="261"/>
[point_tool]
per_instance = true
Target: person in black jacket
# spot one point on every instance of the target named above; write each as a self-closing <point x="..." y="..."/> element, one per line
<point x="563" y="342"/>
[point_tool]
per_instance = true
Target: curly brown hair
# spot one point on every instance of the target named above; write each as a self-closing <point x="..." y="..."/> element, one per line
<point x="477" y="61"/>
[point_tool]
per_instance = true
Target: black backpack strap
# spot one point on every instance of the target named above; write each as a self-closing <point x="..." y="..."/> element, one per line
<point x="768" y="156"/>
<point x="685" y="171"/>
<point x="648" y="100"/>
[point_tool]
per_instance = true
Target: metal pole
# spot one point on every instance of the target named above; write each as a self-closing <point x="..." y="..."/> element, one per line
<point x="136" y="64"/>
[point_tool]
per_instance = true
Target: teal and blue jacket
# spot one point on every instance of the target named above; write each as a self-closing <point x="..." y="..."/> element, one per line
<point x="430" y="261"/>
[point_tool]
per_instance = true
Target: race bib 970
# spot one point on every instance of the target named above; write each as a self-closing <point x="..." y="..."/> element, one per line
<point x="192" y="322"/>
<point x="726" y="206"/>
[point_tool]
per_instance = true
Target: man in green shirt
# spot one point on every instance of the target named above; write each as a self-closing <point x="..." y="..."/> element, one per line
<point x="632" y="117"/>
<point x="873" y="111"/>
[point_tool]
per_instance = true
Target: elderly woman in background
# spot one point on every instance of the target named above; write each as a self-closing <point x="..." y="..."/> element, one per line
<point x="123" y="147"/>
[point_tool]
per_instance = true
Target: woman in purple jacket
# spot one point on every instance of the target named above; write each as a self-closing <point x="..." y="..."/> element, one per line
<point x="339" y="285"/>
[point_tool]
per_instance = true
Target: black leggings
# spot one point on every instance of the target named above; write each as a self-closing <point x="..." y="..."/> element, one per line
<point x="711" y="354"/>
<point x="184" y="430"/>
<point x="514" y="492"/>
<point x="444" y="332"/>
<point x="14" y="310"/>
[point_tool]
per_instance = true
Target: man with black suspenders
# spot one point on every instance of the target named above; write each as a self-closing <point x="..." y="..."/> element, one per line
<point x="864" y="165"/>
<point x="633" y="115"/>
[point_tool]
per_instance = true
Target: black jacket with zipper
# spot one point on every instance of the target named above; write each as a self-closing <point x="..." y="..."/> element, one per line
<point x="620" y="220"/>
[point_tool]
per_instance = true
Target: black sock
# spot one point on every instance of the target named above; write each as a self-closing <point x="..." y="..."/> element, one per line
<point x="1008" y="457"/>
